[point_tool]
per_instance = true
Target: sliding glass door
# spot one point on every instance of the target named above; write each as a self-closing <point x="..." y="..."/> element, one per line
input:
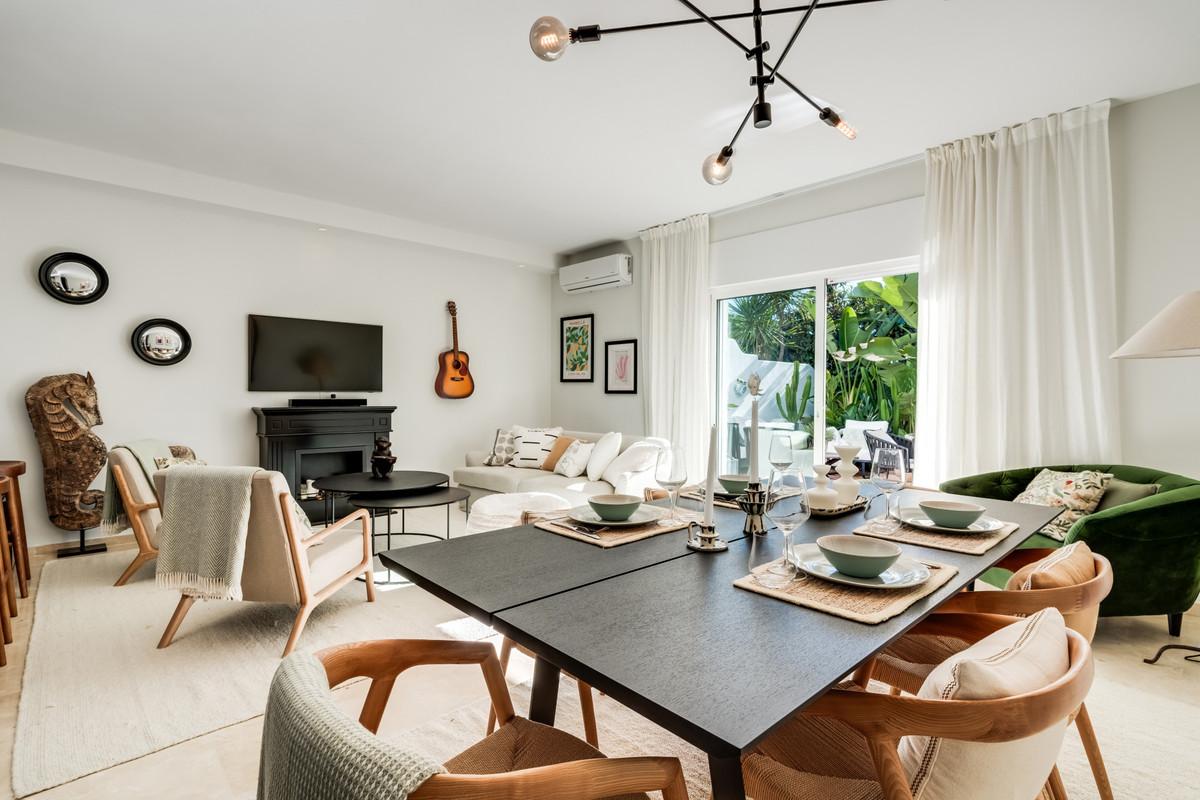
<point x="859" y="325"/>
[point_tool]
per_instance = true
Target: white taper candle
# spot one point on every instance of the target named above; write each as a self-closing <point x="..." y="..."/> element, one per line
<point x="754" y="440"/>
<point x="711" y="485"/>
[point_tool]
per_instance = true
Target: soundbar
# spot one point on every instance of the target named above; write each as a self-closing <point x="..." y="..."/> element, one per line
<point x="325" y="402"/>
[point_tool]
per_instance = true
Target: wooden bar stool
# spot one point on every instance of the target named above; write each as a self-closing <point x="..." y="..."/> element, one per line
<point x="8" y="601"/>
<point x="13" y="470"/>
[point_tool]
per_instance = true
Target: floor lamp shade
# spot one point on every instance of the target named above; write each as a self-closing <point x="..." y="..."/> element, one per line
<point x="1174" y="332"/>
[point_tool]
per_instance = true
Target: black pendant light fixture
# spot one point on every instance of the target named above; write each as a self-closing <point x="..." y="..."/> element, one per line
<point x="549" y="39"/>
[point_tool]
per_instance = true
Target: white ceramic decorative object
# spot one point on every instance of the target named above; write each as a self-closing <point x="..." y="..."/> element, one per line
<point x="822" y="496"/>
<point x="847" y="453"/>
<point x="846" y="486"/>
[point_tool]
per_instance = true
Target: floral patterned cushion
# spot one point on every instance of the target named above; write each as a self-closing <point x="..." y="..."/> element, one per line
<point x="1077" y="492"/>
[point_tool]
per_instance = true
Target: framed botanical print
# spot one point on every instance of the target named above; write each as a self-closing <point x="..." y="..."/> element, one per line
<point x="576" y="350"/>
<point x="620" y="367"/>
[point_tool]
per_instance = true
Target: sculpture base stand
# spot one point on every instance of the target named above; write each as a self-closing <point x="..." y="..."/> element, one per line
<point x="82" y="549"/>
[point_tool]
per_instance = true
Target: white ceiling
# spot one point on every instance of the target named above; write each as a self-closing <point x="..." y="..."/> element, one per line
<point x="436" y="111"/>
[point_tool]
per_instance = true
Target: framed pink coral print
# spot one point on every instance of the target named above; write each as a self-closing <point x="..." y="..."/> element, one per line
<point x="620" y="367"/>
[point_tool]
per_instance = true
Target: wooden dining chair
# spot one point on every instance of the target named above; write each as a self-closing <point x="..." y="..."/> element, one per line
<point x="586" y="706"/>
<point x="312" y="749"/>
<point x="856" y="743"/>
<point x="906" y="664"/>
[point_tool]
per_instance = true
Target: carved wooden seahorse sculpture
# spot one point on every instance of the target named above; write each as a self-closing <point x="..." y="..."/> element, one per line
<point x="63" y="410"/>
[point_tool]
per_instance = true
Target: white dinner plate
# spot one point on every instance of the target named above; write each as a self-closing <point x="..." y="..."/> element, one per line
<point x="905" y="573"/>
<point x="912" y="515"/>
<point x="585" y="516"/>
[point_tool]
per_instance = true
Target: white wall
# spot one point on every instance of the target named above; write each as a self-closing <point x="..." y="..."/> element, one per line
<point x="208" y="267"/>
<point x="585" y="406"/>
<point x="879" y="233"/>
<point x="1156" y="197"/>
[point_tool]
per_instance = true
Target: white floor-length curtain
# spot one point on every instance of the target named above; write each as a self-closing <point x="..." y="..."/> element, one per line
<point x="674" y="276"/>
<point x="1018" y="300"/>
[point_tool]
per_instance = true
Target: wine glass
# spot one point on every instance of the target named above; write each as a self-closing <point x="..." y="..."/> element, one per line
<point x="787" y="507"/>
<point x="780" y="455"/>
<point x="888" y="476"/>
<point x="671" y="474"/>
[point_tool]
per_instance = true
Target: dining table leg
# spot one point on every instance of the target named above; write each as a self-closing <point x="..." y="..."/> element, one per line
<point x="725" y="774"/>
<point x="543" y="701"/>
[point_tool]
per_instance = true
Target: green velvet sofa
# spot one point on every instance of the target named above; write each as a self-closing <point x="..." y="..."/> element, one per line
<point x="1153" y="543"/>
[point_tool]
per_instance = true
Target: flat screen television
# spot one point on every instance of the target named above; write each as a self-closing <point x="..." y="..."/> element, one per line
<point x="310" y="355"/>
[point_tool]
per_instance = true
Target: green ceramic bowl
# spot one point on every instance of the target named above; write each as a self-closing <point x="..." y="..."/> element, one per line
<point x="951" y="513"/>
<point x="614" y="507"/>
<point x="858" y="556"/>
<point x="734" y="484"/>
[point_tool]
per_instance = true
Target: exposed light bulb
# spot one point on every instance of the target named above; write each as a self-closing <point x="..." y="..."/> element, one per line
<point x="548" y="38"/>
<point x="718" y="167"/>
<point x="834" y="120"/>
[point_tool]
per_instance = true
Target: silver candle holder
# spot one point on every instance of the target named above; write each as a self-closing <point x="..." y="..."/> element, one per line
<point x="753" y="502"/>
<point x="703" y="538"/>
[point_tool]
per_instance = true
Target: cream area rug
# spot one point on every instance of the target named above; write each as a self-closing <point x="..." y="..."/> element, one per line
<point x="97" y="692"/>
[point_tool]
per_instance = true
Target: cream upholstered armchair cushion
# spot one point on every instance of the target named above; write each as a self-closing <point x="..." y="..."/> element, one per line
<point x="140" y="490"/>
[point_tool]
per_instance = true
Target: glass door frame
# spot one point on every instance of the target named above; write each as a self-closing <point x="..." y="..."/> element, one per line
<point x="819" y="280"/>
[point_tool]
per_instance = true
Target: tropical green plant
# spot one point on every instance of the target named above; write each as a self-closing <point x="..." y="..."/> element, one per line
<point x="872" y="352"/>
<point x="794" y="400"/>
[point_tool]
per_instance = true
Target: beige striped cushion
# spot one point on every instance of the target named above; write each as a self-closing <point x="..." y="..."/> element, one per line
<point x="1017" y="659"/>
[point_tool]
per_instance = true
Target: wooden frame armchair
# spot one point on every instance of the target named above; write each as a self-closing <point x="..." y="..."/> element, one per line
<point x="140" y="500"/>
<point x="591" y="778"/>
<point x="587" y="708"/>
<point x="905" y="665"/>
<point x="881" y="720"/>
<point x="281" y="566"/>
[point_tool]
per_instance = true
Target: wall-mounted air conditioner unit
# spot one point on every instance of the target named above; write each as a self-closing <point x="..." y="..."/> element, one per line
<point x="609" y="272"/>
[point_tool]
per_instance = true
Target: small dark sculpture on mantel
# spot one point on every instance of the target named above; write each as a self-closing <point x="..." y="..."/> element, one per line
<point x="382" y="460"/>
<point x="63" y="410"/>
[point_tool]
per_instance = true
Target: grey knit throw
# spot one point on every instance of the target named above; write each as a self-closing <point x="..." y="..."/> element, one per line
<point x="202" y="538"/>
<point x="313" y="751"/>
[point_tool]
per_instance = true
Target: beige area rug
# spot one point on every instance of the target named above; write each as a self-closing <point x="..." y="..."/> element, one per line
<point x="97" y="692"/>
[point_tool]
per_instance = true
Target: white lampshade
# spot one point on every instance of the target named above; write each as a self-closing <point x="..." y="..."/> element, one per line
<point x="1174" y="332"/>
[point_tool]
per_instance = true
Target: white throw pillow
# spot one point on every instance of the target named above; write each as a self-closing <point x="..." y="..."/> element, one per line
<point x="575" y="460"/>
<point x="640" y="457"/>
<point x="532" y="445"/>
<point x="1017" y="659"/>
<point x="602" y="455"/>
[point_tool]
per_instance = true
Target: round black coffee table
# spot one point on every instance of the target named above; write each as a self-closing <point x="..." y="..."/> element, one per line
<point x="442" y="496"/>
<point x="402" y="481"/>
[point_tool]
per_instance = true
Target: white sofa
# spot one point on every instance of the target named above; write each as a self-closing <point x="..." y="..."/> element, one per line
<point x="482" y="480"/>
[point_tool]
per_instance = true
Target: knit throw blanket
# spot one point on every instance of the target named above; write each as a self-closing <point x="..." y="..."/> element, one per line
<point x="312" y="750"/>
<point x="202" y="538"/>
<point x="145" y="451"/>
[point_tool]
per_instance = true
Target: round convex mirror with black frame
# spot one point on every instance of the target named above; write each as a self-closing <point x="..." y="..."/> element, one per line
<point x="73" y="278"/>
<point x="161" y="342"/>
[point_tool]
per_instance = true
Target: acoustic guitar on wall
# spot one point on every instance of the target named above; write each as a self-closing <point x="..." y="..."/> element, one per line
<point x="454" y="379"/>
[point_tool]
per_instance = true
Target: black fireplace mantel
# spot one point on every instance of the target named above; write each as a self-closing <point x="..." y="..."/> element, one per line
<point x="313" y="442"/>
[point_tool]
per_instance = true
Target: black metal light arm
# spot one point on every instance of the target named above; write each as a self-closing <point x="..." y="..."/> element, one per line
<point x="724" y="17"/>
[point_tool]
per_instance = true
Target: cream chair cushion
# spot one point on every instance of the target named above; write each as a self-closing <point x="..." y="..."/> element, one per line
<point x="1023" y="657"/>
<point x="140" y="488"/>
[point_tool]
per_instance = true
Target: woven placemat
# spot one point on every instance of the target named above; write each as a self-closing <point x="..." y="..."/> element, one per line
<point x="612" y="537"/>
<point x="869" y="606"/>
<point x="974" y="544"/>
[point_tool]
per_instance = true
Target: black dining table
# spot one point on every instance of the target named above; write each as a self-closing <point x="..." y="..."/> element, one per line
<point x="663" y="630"/>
